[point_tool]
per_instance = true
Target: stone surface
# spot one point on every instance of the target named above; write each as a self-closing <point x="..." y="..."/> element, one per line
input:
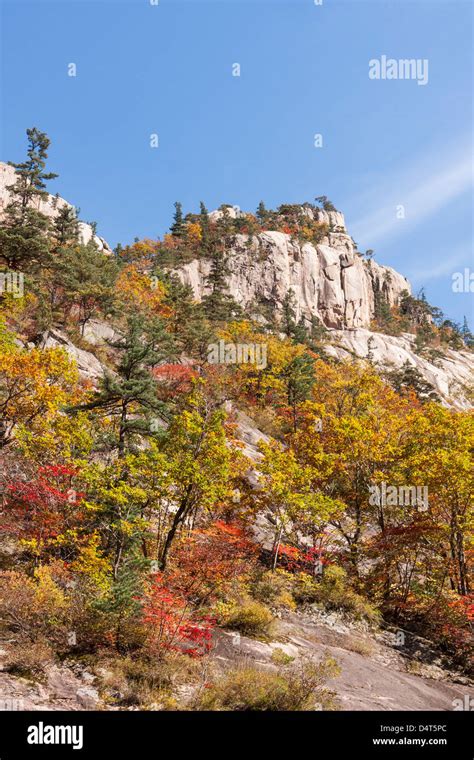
<point x="98" y="333"/>
<point x="330" y="281"/>
<point x="60" y="689"/>
<point x="450" y="376"/>
<point x="378" y="680"/>
<point x="88" y="365"/>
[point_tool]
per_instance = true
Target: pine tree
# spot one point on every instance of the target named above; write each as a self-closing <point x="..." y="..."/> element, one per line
<point x="382" y="313"/>
<point x="23" y="242"/>
<point x="82" y="280"/>
<point x="325" y="203"/>
<point x="467" y="335"/>
<point x="289" y="313"/>
<point x="298" y="377"/>
<point x="261" y="212"/>
<point x="178" y="226"/>
<point x="205" y="229"/>
<point x="408" y="378"/>
<point x="130" y="394"/>
<point x="123" y="601"/>
<point x="300" y="331"/>
<point x="31" y="177"/>
<point x="219" y="305"/>
<point x="66" y="226"/>
<point x="186" y="323"/>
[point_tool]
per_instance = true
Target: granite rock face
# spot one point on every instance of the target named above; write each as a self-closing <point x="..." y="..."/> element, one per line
<point x="330" y="281"/>
<point x="49" y="207"/>
<point x="336" y="285"/>
<point x="451" y="374"/>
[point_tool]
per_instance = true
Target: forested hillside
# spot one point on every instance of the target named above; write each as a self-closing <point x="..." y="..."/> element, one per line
<point x="187" y="459"/>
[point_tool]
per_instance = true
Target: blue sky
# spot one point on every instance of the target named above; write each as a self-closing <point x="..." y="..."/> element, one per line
<point x="167" y="69"/>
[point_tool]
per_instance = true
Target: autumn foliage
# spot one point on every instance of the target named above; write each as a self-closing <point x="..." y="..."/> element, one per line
<point x="148" y="505"/>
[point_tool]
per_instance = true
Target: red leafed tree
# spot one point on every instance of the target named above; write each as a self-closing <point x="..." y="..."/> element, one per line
<point x="42" y="507"/>
<point x="174" y="378"/>
<point x="209" y="560"/>
<point x="301" y="560"/>
<point x="172" y="623"/>
<point x="203" y="565"/>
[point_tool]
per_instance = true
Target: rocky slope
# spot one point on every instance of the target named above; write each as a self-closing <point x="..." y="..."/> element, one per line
<point x="375" y="673"/>
<point x="451" y="374"/>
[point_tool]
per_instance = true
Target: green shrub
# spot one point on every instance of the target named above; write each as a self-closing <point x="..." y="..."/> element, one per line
<point x="274" y="588"/>
<point x="249" y="617"/>
<point x="288" y="689"/>
<point x="333" y="592"/>
<point x="279" y="657"/>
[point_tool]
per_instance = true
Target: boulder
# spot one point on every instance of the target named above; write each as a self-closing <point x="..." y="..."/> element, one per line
<point x="89" y="367"/>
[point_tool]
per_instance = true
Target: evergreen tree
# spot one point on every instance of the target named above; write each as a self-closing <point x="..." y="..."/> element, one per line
<point x="408" y="378"/>
<point x="218" y="304"/>
<point x="325" y="203"/>
<point x="123" y="601"/>
<point x="300" y="332"/>
<point x="186" y="323"/>
<point x="31" y="178"/>
<point x="178" y="226"/>
<point x="261" y="212"/>
<point x="23" y="242"/>
<point x="289" y="314"/>
<point x="204" y="221"/>
<point x="82" y="280"/>
<point x="467" y="335"/>
<point x="130" y="394"/>
<point x="299" y="379"/>
<point x="66" y="226"/>
<point x="382" y="313"/>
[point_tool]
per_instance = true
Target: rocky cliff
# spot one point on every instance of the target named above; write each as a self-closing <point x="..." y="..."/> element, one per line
<point x="330" y="281"/>
<point x="334" y="283"/>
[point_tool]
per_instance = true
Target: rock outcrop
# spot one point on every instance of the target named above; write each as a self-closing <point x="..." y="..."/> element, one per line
<point x="88" y="366"/>
<point x="49" y="207"/>
<point x="330" y="281"/>
<point x="334" y="284"/>
<point x="376" y="674"/>
<point x="451" y="374"/>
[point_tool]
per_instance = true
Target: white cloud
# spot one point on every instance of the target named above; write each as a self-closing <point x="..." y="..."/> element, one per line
<point x="423" y="188"/>
<point x="456" y="259"/>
